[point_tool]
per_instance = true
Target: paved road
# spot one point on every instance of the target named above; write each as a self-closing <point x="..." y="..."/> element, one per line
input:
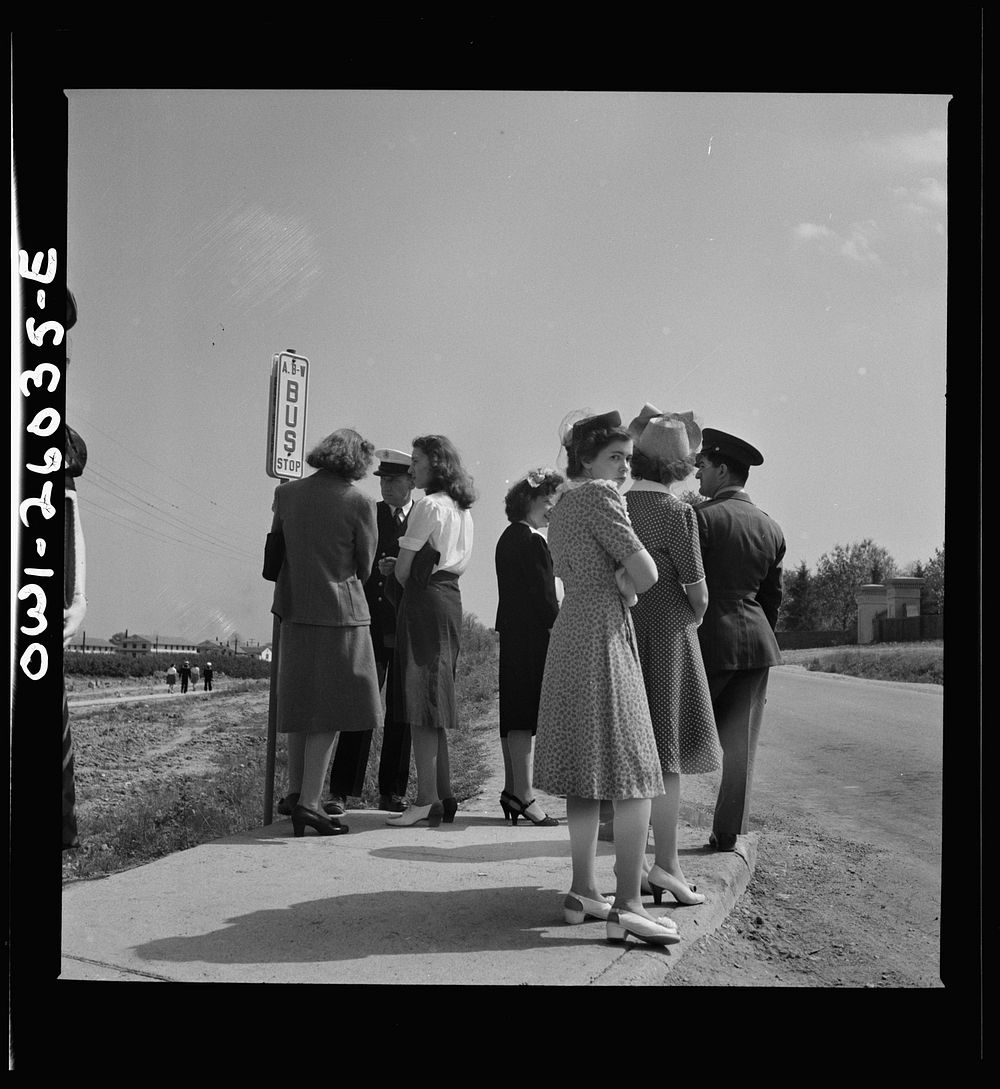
<point x="866" y="754"/>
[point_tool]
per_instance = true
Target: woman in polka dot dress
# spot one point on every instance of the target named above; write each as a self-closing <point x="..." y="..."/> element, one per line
<point x="595" y="739"/>
<point x="666" y="620"/>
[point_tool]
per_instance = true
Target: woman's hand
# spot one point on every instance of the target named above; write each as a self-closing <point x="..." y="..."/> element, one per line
<point x="386" y="565"/>
<point x="626" y="587"/>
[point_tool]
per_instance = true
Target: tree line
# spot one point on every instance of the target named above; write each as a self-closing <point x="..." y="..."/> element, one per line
<point x="823" y="600"/>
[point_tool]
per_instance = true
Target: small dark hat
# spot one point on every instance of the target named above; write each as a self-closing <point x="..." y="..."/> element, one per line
<point x="717" y="444"/>
<point x="594" y="423"/>
<point x="393" y="463"/>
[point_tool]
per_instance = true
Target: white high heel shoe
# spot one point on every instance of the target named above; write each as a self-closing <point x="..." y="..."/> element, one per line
<point x="661" y="931"/>
<point x="576" y="908"/>
<point x="413" y="814"/>
<point x="660" y="882"/>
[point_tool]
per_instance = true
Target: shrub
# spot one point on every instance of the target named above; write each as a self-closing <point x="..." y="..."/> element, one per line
<point x="139" y="666"/>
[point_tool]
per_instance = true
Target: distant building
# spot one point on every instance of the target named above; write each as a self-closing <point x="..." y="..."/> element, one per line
<point x="256" y="650"/>
<point x="82" y="643"/>
<point x="135" y="644"/>
<point x="159" y="644"/>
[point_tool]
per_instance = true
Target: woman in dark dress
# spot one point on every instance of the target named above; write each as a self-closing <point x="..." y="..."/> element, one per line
<point x="528" y="608"/>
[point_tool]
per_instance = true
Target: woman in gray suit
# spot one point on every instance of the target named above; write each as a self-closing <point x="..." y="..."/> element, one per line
<point x="327" y="679"/>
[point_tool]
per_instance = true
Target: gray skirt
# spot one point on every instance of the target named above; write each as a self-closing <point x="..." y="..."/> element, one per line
<point x="326" y="679"/>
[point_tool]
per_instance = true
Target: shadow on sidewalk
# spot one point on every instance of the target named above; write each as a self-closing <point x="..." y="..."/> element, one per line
<point x="396" y="923"/>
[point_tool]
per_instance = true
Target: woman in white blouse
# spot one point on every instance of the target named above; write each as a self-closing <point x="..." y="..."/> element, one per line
<point x="432" y="556"/>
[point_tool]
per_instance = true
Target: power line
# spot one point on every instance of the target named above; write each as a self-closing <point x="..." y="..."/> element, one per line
<point x="95" y="478"/>
<point x="162" y="472"/>
<point x="157" y="535"/>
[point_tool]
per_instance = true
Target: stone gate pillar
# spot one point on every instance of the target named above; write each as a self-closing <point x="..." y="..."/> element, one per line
<point x="871" y="599"/>
<point x="902" y="597"/>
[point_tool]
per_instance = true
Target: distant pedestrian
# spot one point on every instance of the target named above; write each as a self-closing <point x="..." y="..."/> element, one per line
<point x="207" y="676"/>
<point x="195" y="676"/>
<point x="185" y="675"/>
<point x="171" y="678"/>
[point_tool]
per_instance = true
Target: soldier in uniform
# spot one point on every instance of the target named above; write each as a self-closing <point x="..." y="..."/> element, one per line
<point x="742" y="549"/>
<point x="347" y="772"/>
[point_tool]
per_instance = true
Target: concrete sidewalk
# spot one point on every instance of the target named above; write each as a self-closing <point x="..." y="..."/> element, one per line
<point x="476" y="902"/>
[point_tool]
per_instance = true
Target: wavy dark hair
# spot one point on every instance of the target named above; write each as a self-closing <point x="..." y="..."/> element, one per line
<point x="344" y="453"/>
<point x="663" y="472"/>
<point x="586" y="446"/>
<point x="738" y="470"/>
<point x="521" y="495"/>
<point x="447" y="472"/>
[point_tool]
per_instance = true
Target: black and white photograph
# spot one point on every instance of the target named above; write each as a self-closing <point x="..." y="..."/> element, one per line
<point x="538" y="488"/>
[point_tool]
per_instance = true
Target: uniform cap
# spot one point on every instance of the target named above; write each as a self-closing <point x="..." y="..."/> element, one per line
<point x="720" y="445"/>
<point x="392" y="463"/>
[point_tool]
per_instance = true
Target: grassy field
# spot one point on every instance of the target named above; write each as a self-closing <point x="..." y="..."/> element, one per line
<point x="160" y="776"/>
<point x="921" y="663"/>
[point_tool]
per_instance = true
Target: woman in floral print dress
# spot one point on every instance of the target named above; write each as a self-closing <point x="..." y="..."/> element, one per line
<point x="595" y="738"/>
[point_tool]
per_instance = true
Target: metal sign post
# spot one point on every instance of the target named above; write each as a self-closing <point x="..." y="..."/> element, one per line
<point x="286" y="436"/>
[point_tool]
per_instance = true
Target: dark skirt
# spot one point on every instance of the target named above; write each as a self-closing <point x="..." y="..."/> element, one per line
<point x="326" y="679"/>
<point x="428" y="640"/>
<point x="522" y="666"/>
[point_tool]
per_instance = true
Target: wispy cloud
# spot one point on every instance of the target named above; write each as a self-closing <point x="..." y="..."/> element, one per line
<point x="928" y="148"/>
<point x="928" y="197"/>
<point x="856" y="244"/>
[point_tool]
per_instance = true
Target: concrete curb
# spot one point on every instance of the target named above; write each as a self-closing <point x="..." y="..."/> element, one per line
<point x="642" y="965"/>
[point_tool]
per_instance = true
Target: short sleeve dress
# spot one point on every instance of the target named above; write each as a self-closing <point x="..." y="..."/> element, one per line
<point x="595" y="737"/>
<point x="680" y="703"/>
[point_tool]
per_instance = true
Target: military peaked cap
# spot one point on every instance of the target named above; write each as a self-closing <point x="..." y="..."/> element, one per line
<point x="718" y="446"/>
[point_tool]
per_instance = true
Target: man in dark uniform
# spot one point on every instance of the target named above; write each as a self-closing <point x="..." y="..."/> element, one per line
<point x="347" y="772"/>
<point x="742" y="550"/>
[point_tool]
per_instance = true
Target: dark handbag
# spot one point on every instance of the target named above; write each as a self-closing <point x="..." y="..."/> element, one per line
<point x="420" y="574"/>
<point x="423" y="565"/>
<point x="274" y="555"/>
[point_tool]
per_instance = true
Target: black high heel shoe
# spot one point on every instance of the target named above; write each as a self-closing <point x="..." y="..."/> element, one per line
<point x="287" y="804"/>
<point x="450" y="807"/>
<point x="505" y="805"/>
<point x="519" y="809"/>
<point x="301" y="817"/>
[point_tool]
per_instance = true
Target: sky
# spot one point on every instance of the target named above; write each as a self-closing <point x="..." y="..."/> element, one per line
<point x="480" y="264"/>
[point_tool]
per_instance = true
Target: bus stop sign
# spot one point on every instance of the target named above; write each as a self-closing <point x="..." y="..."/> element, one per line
<point x="286" y="431"/>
